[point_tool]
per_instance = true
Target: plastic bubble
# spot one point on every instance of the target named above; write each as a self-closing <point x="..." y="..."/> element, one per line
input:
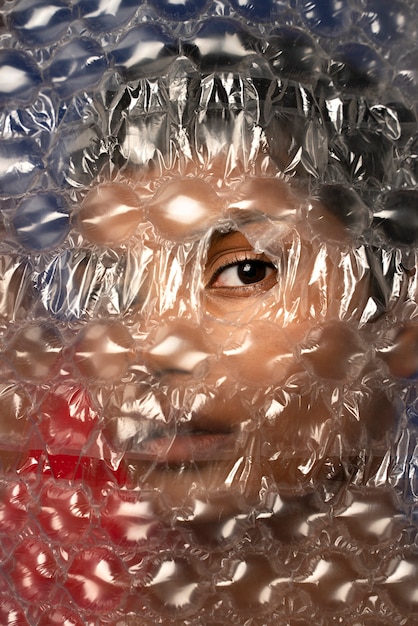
<point x="42" y="221"/>
<point x="215" y="132"/>
<point x="264" y="196"/>
<point x="101" y="16"/>
<point x="11" y="612"/>
<point x="39" y="22"/>
<point x="97" y="579"/>
<point x="406" y="121"/>
<point x="15" y="407"/>
<point x="65" y="513"/>
<point x="259" y="10"/>
<point x="387" y="120"/>
<point x="2" y="227"/>
<point x="371" y="517"/>
<point x="407" y="76"/>
<point x="292" y="53"/>
<point x="330" y="18"/>
<point x="35" y="351"/>
<point x="221" y="45"/>
<point x="35" y="570"/>
<point x="77" y="65"/>
<point x="20" y="77"/>
<point x="60" y="616"/>
<point x="129" y="520"/>
<point x="145" y="50"/>
<point x="21" y="162"/>
<point x="184" y="209"/>
<point x="172" y="9"/>
<point x="104" y="351"/>
<point x="295" y="519"/>
<point x="14" y="507"/>
<point x="335" y="352"/>
<point x="67" y="420"/>
<point x="331" y="581"/>
<point x="386" y="21"/>
<point x="177" y="347"/>
<point x="251" y="583"/>
<point x="399" y="580"/>
<point x="242" y="348"/>
<point x="359" y="69"/>
<point x="110" y="214"/>
<point x="401" y="351"/>
<point x="398" y="217"/>
<point x="338" y="213"/>
<point x="175" y="586"/>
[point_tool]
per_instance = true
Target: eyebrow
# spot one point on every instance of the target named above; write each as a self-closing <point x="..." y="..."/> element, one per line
<point x="243" y="217"/>
<point x="237" y="220"/>
<point x="218" y="236"/>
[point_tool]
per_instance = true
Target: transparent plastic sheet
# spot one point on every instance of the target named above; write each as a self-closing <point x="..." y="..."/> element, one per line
<point x="208" y="312"/>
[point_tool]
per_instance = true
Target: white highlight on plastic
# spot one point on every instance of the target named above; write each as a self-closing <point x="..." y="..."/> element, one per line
<point x="41" y="16"/>
<point x="12" y="79"/>
<point x="185" y="210"/>
<point x="106" y="7"/>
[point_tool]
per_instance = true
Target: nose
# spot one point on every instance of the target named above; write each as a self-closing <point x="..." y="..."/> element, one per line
<point x="178" y="347"/>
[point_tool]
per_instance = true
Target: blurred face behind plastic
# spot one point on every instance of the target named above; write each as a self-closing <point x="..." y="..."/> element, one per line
<point x="240" y="306"/>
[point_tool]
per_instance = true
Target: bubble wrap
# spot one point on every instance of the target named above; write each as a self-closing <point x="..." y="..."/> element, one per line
<point x="208" y="312"/>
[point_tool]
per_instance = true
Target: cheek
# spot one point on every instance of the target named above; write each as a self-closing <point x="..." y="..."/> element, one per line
<point x="400" y="352"/>
<point x="259" y="354"/>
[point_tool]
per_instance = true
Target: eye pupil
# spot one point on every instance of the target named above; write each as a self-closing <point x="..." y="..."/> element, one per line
<point x="251" y="272"/>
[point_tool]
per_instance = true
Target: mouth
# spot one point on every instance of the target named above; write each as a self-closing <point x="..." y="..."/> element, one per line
<point x="162" y="452"/>
<point x="131" y="440"/>
<point x="183" y="446"/>
<point x="151" y="430"/>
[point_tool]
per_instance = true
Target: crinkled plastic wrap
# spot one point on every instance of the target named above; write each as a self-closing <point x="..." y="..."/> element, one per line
<point x="208" y="312"/>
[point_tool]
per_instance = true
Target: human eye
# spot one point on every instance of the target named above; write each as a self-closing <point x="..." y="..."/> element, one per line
<point x="235" y="269"/>
<point x="243" y="273"/>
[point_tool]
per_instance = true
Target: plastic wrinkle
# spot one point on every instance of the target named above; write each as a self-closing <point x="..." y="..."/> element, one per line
<point x="39" y="23"/>
<point x="208" y="313"/>
<point x="20" y="78"/>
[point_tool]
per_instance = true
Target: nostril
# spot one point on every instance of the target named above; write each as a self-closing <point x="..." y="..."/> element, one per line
<point x="177" y="348"/>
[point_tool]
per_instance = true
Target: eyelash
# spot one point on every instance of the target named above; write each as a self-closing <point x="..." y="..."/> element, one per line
<point x="240" y="260"/>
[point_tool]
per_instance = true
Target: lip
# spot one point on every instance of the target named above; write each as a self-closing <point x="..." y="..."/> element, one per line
<point x="185" y="447"/>
<point x="167" y="436"/>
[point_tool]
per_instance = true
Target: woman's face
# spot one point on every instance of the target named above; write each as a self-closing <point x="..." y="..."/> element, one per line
<point x="239" y="366"/>
<point x="210" y="391"/>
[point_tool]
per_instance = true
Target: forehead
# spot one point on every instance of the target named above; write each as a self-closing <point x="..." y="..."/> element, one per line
<point x="184" y="209"/>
